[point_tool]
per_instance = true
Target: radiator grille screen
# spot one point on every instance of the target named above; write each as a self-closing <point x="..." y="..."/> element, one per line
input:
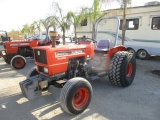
<point x="40" y="56"/>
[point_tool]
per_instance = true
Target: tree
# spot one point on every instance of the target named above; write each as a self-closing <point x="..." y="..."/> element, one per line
<point x="76" y="19"/>
<point x="94" y="13"/>
<point x="124" y="7"/>
<point x="32" y="28"/>
<point x="60" y="19"/>
<point x="25" y="30"/>
<point x="123" y="4"/>
<point x="45" y="24"/>
<point x="38" y="26"/>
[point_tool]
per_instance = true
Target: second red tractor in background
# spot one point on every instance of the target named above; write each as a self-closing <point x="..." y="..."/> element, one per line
<point x="16" y="51"/>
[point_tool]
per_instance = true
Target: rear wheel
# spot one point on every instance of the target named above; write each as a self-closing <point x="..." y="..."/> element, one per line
<point x="76" y="95"/>
<point x="18" y="62"/>
<point x="122" y="69"/>
<point x="142" y="54"/>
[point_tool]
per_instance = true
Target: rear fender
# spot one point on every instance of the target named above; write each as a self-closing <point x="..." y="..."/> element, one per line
<point x="111" y="52"/>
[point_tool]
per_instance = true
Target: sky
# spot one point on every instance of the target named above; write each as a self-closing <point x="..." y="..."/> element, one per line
<point x="16" y="13"/>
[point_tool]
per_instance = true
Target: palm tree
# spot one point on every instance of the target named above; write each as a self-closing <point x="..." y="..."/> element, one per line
<point x="25" y="30"/>
<point x="38" y="26"/>
<point x="60" y="19"/>
<point x="32" y="28"/>
<point x="76" y="20"/>
<point x="46" y="23"/>
<point x="94" y="13"/>
<point x="123" y="4"/>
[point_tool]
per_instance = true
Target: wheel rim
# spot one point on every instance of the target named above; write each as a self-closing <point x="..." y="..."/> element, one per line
<point x="143" y="54"/>
<point x="19" y="62"/>
<point x="129" y="69"/>
<point x="81" y="98"/>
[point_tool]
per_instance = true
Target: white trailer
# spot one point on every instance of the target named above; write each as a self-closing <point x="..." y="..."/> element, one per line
<point x="142" y="30"/>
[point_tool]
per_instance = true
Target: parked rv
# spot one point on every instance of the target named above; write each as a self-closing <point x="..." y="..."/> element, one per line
<point x="142" y="29"/>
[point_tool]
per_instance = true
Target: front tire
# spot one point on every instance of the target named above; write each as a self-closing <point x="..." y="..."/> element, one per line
<point x="18" y="62"/>
<point x="122" y="69"/>
<point x="76" y="95"/>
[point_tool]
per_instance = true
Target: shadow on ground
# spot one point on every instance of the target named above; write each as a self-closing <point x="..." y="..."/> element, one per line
<point x="47" y="107"/>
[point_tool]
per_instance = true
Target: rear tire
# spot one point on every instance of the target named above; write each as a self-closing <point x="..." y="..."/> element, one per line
<point x="122" y="69"/>
<point x="18" y="62"/>
<point x="76" y="95"/>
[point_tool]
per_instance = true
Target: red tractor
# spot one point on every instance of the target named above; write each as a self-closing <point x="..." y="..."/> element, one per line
<point x="70" y="67"/>
<point x="16" y="51"/>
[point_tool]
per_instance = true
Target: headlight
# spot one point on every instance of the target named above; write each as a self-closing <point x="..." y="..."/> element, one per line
<point x="45" y="70"/>
<point x="36" y="67"/>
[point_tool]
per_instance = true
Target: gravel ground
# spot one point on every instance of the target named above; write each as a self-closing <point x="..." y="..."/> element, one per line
<point x="140" y="101"/>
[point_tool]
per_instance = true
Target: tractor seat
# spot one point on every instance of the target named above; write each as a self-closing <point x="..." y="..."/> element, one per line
<point x="103" y="45"/>
<point x="5" y="38"/>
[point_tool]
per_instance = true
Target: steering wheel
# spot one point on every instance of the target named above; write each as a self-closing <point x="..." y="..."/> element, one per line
<point x="90" y="40"/>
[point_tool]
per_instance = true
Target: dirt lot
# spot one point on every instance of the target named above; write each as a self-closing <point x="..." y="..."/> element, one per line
<point x="140" y="101"/>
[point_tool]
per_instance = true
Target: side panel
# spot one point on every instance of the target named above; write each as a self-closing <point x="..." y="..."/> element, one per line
<point x="89" y="49"/>
<point x="60" y="64"/>
<point x="11" y="49"/>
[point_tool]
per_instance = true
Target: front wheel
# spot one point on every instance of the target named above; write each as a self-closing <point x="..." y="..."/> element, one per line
<point x="76" y="95"/>
<point x="122" y="69"/>
<point x="18" y="62"/>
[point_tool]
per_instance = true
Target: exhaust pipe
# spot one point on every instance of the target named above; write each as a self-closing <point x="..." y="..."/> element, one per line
<point x="53" y="36"/>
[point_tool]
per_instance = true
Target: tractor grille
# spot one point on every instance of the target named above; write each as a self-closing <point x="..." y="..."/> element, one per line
<point x="40" y="56"/>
